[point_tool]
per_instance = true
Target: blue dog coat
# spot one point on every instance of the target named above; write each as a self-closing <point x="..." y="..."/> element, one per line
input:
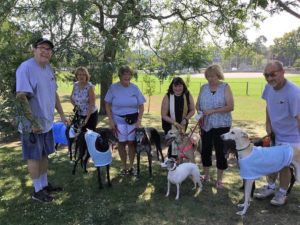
<point x="99" y="158"/>
<point x="59" y="132"/>
<point x="265" y="160"/>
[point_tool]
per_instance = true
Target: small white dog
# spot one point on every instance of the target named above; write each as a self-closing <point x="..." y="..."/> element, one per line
<point x="177" y="174"/>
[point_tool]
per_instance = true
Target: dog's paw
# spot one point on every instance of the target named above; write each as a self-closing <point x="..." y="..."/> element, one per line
<point x="241" y="205"/>
<point x="240" y="213"/>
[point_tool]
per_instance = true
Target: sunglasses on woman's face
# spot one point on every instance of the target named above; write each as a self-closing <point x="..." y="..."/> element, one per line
<point x="271" y="74"/>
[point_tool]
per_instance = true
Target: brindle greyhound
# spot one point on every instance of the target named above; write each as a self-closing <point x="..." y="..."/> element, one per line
<point x="145" y="137"/>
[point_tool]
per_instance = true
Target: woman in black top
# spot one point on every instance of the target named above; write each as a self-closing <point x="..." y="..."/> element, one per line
<point x="177" y="108"/>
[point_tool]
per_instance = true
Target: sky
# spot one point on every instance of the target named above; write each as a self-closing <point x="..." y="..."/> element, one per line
<point x="274" y="27"/>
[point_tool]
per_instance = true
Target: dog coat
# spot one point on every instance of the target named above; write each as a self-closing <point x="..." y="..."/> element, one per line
<point x="265" y="160"/>
<point x="59" y="132"/>
<point x="99" y="158"/>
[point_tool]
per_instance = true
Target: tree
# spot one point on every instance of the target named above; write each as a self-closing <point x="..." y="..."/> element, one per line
<point x="13" y="50"/>
<point x="291" y="7"/>
<point x="111" y="25"/>
<point x="287" y="48"/>
<point x="181" y="46"/>
<point x="240" y="56"/>
<point x="276" y="6"/>
<point x="149" y="88"/>
<point x="6" y="8"/>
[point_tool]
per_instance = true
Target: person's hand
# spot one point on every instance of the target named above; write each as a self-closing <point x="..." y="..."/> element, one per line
<point x="138" y="124"/>
<point x="208" y="112"/>
<point x="183" y="122"/>
<point x="112" y="125"/>
<point x="36" y="127"/>
<point x="65" y="120"/>
<point x="178" y="126"/>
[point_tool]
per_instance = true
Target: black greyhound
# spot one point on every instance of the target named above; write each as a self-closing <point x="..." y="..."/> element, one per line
<point x="75" y="128"/>
<point x="80" y="146"/>
<point x="145" y="137"/>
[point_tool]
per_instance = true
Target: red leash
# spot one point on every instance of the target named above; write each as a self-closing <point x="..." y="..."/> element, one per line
<point x="199" y="123"/>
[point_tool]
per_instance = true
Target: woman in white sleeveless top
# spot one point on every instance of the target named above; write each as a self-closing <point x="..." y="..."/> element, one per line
<point x="215" y="100"/>
<point x="83" y="96"/>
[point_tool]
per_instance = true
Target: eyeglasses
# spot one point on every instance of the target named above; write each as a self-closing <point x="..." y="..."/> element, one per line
<point x="45" y="49"/>
<point x="271" y="74"/>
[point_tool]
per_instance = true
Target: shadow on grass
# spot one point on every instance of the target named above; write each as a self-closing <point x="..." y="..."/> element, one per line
<point x="130" y="200"/>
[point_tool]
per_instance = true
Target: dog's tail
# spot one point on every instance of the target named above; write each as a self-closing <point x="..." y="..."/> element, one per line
<point x="155" y="137"/>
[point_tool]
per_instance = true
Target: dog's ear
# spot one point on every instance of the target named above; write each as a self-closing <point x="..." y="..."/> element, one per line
<point x="147" y="132"/>
<point x="244" y="134"/>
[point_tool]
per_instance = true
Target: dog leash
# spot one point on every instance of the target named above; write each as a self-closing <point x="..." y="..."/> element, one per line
<point x="199" y="123"/>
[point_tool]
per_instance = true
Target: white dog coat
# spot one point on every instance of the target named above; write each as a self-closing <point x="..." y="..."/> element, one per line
<point x="99" y="158"/>
<point x="262" y="161"/>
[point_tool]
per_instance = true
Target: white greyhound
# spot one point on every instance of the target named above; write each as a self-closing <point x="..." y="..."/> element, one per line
<point x="255" y="162"/>
<point x="177" y="174"/>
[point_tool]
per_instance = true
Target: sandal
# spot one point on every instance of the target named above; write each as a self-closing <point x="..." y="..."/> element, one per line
<point x="132" y="171"/>
<point x="123" y="172"/>
<point x="219" y="185"/>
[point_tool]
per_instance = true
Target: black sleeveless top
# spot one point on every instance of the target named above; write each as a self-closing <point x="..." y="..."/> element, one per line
<point x="179" y="104"/>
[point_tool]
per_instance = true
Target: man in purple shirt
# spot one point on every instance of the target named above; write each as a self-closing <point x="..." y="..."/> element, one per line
<point x="37" y="98"/>
<point x="282" y="119"/>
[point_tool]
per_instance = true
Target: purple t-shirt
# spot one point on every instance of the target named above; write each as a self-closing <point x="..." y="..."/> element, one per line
<point x="283" y="106"/>
<point x="124" y="100"/>
<point x="40" y="85"/>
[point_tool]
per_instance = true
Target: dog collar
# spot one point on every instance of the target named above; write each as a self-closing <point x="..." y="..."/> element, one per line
<point x="239" y="150"/>
<point x="174" y="167"/>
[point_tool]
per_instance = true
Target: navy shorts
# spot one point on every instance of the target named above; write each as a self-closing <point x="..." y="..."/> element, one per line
<point x="36" y="146"/>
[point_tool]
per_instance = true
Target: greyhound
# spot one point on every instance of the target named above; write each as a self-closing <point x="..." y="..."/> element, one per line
<point x="186" y="144"/>
<point x="177" y="174"/>
<point x="145" y="137"/>
<point x="256" y="162"/>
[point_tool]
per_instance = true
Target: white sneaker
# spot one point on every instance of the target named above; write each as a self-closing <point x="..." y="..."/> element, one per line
<point x="279" y="199"/>
<point x="264" y="192"/>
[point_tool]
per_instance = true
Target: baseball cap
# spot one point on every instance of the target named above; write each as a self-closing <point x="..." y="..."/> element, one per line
<point x="41" y="41"/>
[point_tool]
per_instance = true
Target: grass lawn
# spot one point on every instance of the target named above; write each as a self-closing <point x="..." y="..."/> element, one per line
<point x="130" y="201"/>
<point x="137" y="201"/>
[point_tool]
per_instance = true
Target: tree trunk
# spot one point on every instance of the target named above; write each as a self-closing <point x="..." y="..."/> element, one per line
<point x="149" y="103"/>
<point x="106" y="74"/>
<point x="105" y="84"/>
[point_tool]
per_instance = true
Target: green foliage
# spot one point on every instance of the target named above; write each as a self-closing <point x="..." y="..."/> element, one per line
<point x="149" y="87"/>
<point x="13" y="50"/>
<point x="188" y="80"/>
<point x="287" y="48"/>
<point x="297" y="63"/>
<point x="181" y="46"/>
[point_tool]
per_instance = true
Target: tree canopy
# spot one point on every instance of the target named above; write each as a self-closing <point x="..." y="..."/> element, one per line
<point x="98" y="34"/>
